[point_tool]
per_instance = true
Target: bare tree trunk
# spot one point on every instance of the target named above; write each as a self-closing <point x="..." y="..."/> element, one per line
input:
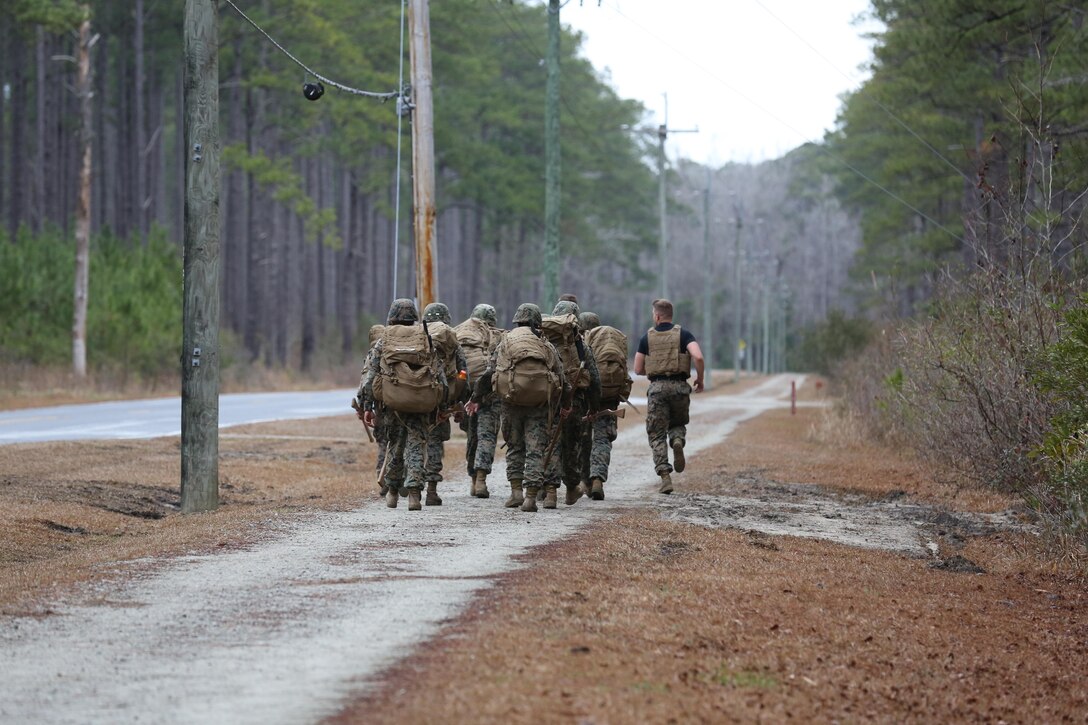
<point x="5" y="35"/>
<point x="83" y="211"/>
<point x="40" y="212"/>
<point x="308" y="285"/>
<point x="347" y="273"/>
<point x="235" y="246"/>
<point x="142" y="193"/>
<point x="18" y="119"/>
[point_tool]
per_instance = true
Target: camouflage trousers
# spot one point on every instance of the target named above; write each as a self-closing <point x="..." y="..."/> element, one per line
<point x="667" y="408"/>
<point x="527" y="437"/>
<point x="436" y="441"/>
<point x="408" y="446"/>
<point x="482" y="432"/>
<point x="570" y="449"/>
<point x="381" y="438"/>
<point x="597" y="439"/>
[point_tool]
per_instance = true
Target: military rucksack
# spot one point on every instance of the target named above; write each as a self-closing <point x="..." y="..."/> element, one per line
<point x="409" y="370"/>
<point x="478" y="340"/>
<point x="609" y="347"/>
<point x="445" y="345"/>
<point x="562" y="331"/>
<point x="524" y="370"/>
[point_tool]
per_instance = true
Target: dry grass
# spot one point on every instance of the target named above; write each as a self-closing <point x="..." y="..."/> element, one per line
<point x="645" y="621"/>
<point x="642" y="620"/>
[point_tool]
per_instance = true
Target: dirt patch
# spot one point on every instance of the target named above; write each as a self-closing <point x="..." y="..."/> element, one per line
<point x="652" y="619"/>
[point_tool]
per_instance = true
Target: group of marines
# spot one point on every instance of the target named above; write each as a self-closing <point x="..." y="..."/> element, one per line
<point x="539" y="383"/>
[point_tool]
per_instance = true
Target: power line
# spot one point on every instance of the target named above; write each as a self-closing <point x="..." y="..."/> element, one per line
<point x="823" y="148"/>
<point x="339" y="86"/>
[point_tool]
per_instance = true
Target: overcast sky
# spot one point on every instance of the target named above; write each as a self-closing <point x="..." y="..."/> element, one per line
<point x="757" y="77"/>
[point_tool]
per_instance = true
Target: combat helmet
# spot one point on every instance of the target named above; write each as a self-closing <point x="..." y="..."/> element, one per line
<point x="436" y="312"/>
<point x="566" y="307"/>
<point x="527" y="314"/>
<point x="486" y="313"/>
<point x="588" y="320"/>
<point x="402" y="312"/>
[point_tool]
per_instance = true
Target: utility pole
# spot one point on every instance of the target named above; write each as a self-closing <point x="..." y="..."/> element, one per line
<point x="200" y="334"/>
<point x="708" y="276"/>
<point x="663" y="132"/>
<point x="764" y="358"/>
<point x="552" y="163"/>
<point x="738" y="297"/>
<point x="423" y="197"/>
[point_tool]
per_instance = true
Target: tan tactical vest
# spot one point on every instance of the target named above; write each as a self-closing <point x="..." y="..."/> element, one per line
<point x="665" y="357"/>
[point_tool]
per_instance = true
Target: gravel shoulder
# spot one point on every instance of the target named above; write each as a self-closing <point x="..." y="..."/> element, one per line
<point x="740" y="597"/>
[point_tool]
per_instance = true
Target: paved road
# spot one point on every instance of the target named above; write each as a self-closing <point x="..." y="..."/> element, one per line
<point x="162" y="416"/>
<point x="290" y="629"/>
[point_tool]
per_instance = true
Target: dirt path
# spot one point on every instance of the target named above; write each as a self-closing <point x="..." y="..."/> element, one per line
<point x="315" y="619"/>
<point x="285" y="630"/>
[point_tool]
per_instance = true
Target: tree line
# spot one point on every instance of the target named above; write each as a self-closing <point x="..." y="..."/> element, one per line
<point x="309" y="189"/>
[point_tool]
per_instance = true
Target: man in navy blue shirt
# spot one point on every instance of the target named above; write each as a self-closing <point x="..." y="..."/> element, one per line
<point x="665" y="355"/>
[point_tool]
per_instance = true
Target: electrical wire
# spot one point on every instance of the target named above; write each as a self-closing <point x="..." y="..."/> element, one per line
<point x="327" y="81"/>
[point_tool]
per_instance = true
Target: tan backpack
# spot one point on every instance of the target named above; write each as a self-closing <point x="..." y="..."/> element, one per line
<point x="524" y="370"/>
<point x="409" y="368"/>
<point x="609" y="347"/>
<point x="562" y="331"/>
<point x="478" y="340"/>
<point x="445" y="345"/>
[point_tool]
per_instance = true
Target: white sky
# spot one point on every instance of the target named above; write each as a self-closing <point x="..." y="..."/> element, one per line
<point x="757" y="77"/>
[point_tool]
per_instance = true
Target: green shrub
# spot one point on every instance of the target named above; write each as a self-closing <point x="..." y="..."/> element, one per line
<point x="134" y="303"/>
<point x="825" y="345"/>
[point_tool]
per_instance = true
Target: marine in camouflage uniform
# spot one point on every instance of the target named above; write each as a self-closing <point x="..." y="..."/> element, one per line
<point x="439" y="431"/>
<point x="527" y="430"/>
<point x="574" y="430"/>
<point x="599" y="435"/>
<point x="408" y="437"/>
<point x="669" y="395"/>
<point x="482" y="429"/>
<point x="382" y="419"/>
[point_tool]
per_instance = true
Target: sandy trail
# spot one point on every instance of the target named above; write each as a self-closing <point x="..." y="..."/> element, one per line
<point x="292" y="627"/>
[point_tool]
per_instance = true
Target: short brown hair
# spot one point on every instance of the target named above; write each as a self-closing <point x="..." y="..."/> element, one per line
<point x="568" y="298"/>
<point x="663" y="307"/>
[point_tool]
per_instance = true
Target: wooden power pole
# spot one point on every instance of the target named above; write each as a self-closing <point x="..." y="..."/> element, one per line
<point x="663" y="132"/>
<point x="419" y="33"/>
<point x="200" y="336"/>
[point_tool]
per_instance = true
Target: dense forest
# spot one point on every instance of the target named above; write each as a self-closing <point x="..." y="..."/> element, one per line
<point x="311" y="251"/>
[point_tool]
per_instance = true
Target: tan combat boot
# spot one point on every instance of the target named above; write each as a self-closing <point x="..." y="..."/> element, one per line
<point x="413" y="500"/>
<point x="678" y="461"/>
<point x="550" y="497"/>
<point x="596" y="490"/>
<point x="391" y="497"/>
<point x="481" y="485"/>
<point x="666" y="484"/>
<point x="573" y="494"/>
<point x="516" y="496"/>
<point x="472" y="485"/>
<point x="529" y="504"/>
<point x="432" y="494"/>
